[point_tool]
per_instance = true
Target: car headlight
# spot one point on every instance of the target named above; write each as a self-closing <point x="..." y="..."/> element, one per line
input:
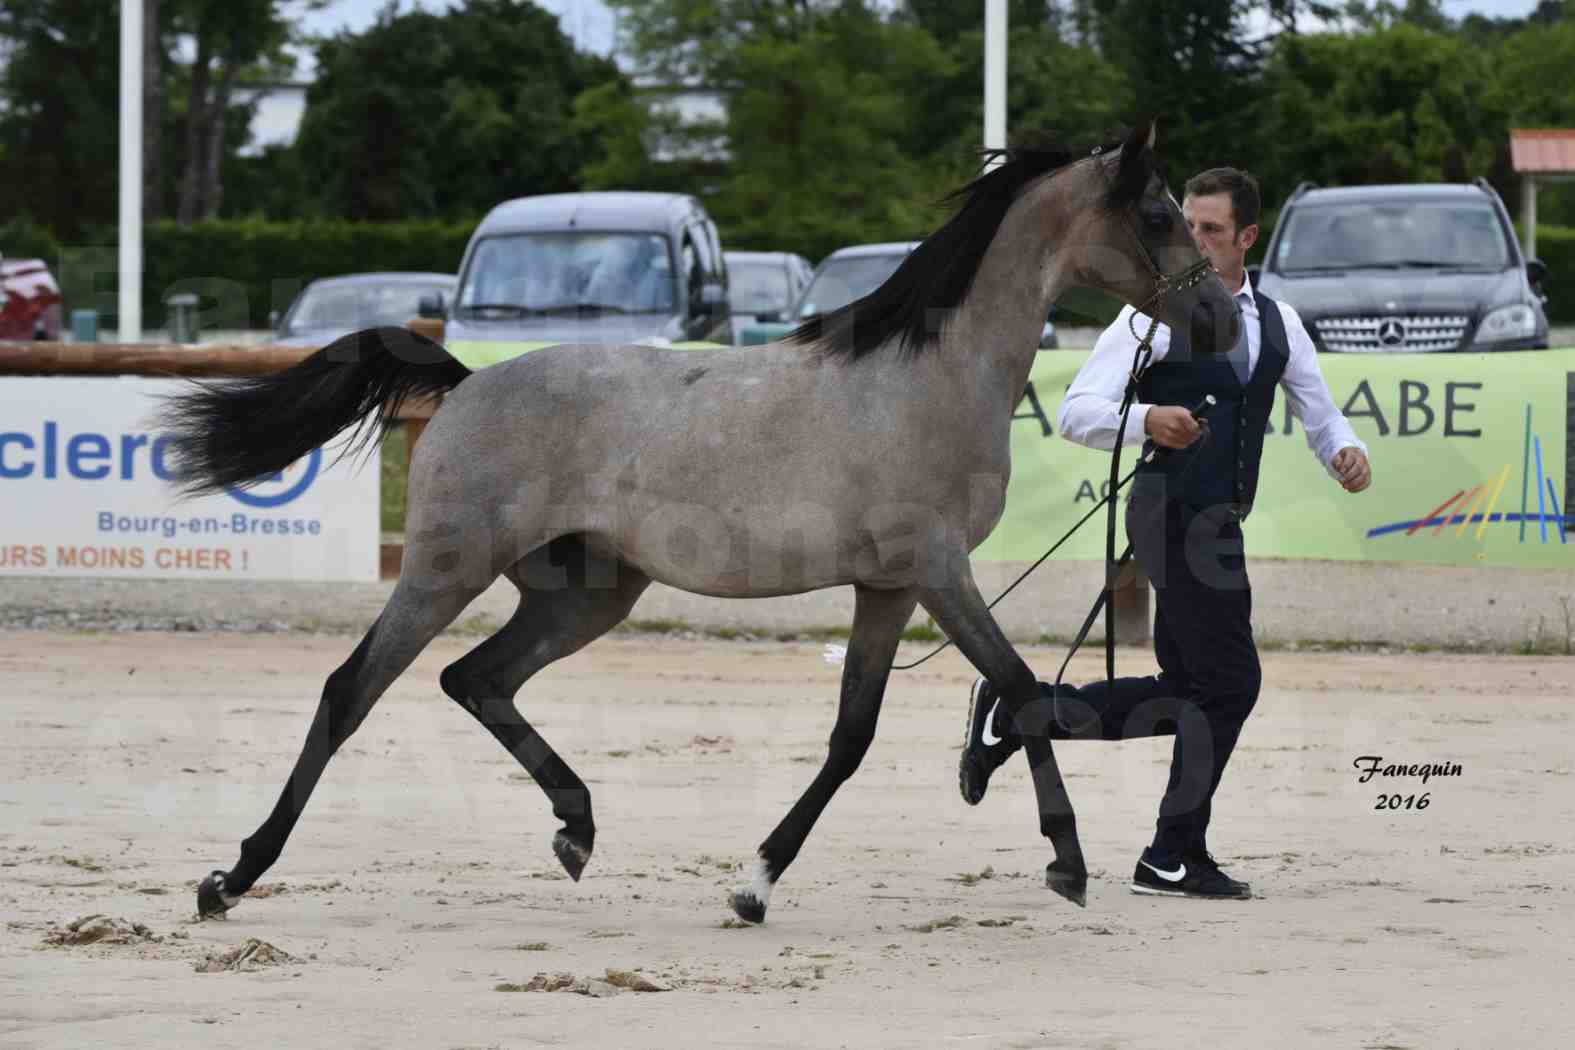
<point x="1518" y="321"/>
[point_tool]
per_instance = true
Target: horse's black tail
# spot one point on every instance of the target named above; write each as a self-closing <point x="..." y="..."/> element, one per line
<point x="239" y="432"/>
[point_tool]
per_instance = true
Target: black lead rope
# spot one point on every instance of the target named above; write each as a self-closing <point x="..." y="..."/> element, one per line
<point x="1198" y="411"/>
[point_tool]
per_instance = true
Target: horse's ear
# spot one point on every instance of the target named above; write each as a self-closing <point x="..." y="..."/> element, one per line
<point x="1141" y="137"/>
<point x="1136" y="162"/>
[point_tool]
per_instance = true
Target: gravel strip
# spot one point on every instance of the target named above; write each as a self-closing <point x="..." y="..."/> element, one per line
<point x="1341" y="604"/>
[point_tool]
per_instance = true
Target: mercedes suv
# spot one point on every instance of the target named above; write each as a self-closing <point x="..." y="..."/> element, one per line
<point x="1405" y="268"/>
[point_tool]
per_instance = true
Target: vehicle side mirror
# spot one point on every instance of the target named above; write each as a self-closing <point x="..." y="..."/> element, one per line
<point x="1536" y="270"/>
<point x="431" y="305"/>
<point x="712" y="297"/>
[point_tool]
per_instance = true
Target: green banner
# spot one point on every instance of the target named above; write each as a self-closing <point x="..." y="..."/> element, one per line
<point x="1470" y="453"/>
<point x="1471" y="462"/>
<point x="479" y="353"/>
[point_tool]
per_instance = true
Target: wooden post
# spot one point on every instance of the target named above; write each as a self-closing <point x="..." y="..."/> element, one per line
<point x="432" y="328"/>
<point x="413" y="417"/>
<point x="1130" y="603"/>
<point x="1528" y="214"/>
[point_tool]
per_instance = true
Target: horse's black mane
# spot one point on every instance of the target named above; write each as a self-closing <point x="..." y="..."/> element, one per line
<point x="936" y="276"/>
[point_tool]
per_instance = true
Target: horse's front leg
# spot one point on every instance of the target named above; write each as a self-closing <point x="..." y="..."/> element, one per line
<point x="952" y="598"/>
<point x="878" y="621"/>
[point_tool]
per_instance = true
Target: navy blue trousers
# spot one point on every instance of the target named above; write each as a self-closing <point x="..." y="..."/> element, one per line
<point x="1209" y="672"/>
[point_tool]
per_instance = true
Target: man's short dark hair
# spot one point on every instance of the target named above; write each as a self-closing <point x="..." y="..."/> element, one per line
<point x="1245" y="204"/>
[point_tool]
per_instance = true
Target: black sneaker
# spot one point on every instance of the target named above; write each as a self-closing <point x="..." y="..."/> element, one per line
<point x="1186" y="875"/>
<point x="990" y="742"/>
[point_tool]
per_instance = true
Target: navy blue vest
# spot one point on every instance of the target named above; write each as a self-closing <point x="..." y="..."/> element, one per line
<point x="1221" y="472"/>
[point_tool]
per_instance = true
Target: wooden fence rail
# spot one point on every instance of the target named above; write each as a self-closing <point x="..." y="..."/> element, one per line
<point x="1131" y="599"/>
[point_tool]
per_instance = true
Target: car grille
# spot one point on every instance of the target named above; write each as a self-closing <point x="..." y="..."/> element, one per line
<point x="1412" y="333"/>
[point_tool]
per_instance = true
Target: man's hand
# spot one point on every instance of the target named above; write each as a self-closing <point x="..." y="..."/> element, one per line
<point x="1171" y="426"/>
<point x="1352" y="466"/>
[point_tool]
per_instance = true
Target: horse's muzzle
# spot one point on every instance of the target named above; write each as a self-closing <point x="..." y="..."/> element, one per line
<point x="1216" y="327"/>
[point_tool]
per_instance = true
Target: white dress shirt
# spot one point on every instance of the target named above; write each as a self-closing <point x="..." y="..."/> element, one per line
<point x="1092" y="409"/>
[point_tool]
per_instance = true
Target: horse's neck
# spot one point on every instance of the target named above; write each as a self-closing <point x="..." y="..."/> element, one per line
<point x="998" y="326"/>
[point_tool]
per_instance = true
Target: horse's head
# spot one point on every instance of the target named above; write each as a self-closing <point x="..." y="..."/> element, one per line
<point x="1137" y="247"/>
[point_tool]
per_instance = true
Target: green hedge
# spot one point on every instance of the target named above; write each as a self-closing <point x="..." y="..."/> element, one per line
<point x="244" y="269"/>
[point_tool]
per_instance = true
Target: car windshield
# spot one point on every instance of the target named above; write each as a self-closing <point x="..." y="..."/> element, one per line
<point x="756" y="287"/>
<point x="359" y="305"/>
<point x="840" y="281"/>
<point x="565" y="271"/>
<point x="1392" y="235"/>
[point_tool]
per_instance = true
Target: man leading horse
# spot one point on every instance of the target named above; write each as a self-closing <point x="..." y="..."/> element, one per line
<point x="1184" y="519"/>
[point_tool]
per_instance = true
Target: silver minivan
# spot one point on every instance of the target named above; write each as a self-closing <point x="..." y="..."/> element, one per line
<point x="592" y="268"/>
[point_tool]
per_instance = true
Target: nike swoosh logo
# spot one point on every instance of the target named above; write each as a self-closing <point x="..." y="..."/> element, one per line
<point x="987" y="734"/>
<point x="1169" y="876"/>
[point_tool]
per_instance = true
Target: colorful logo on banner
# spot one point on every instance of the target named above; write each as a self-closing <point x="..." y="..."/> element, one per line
<point x="1461" y="509"/>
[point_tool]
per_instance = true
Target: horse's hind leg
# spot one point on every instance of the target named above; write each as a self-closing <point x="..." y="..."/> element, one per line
<point x="569" y="597"/>
<point x="410" y="620"/>
<point x="878" y="621"/>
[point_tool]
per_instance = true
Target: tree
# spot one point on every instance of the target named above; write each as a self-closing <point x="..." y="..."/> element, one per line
<point x="1191" y="65"/>
<point x="1397" y="104"/>
<point x="444" y="115"/>
<point x="839" y="125"/>
<point x="231" y="39"/>
<point x="816" y="135"/>
<point x="1532" y="88"/>
<point x="60" y="119"/>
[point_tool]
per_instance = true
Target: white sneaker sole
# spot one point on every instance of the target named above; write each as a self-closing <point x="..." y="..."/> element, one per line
<point x="1155" y="891"/>
<point x="979" y="686"/>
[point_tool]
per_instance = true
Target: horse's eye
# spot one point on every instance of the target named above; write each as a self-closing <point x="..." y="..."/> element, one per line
<point x="1156" y="221"/>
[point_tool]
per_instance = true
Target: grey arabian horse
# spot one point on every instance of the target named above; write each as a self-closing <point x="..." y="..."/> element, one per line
<point x="870" y="448"/>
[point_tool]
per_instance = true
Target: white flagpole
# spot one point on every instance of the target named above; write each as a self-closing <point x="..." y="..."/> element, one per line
<point x="994" y="74"/>
<point x="130" y="319"/>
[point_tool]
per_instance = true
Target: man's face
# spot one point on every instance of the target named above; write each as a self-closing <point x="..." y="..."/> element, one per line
<point x="1213" y="226"/>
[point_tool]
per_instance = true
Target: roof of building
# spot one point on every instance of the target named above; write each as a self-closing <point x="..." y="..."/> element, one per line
<point x="1542" y="151"/>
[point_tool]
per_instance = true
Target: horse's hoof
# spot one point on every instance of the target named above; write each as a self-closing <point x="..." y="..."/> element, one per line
<point x="1068" y="882"/>
<point x="572" y="853"/>
<point x="212" y="901"/>
<point x="749" y="907"/>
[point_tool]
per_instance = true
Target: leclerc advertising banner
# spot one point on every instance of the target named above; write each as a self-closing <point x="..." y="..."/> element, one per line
<point x="86" y="490"/>
<point x="1471" y="462"/>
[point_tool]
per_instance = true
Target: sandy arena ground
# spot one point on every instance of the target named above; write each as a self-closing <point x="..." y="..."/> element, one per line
<point x="421" y="879"/>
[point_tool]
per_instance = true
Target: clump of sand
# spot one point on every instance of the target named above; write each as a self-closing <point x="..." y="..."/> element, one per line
<point x="101" y="929"/>
<point x="616" y="981"/>
<point x="245" y="958"/>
